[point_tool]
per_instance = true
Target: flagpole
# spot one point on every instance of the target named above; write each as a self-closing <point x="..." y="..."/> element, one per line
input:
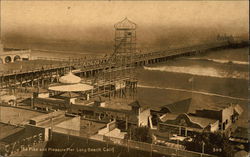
<point x="192" y="85"/>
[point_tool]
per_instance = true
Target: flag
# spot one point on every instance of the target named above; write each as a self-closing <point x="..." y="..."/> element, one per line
<point x="191" y="79"/>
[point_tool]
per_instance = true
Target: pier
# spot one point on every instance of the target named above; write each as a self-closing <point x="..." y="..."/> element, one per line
<point x="49" y="73"/>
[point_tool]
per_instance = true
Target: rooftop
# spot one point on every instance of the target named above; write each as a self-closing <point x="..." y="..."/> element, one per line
<point x="47" y="116"/>
<point x="14" y="52"/>
<point x="7" y="130"/>
<point x="217" y="107"/>
<point x="115" y="104"/>
<point x="16" y="115"/>
<point x="51" y="118"/>
<point x="125" y="24"/>
<point x="179" y="106"/>
<point x="203" y="122"/>
<point x="233" y="107"/>
<point x="70" y="78"/>
<point x="90" y="127"/>
<point x="71" y="87"/>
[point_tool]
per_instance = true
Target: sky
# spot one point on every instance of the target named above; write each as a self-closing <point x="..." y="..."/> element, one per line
<point x="94" y="20"/>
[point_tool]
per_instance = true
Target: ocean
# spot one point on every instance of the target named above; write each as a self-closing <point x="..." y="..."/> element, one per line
<point x="215" y="78"/>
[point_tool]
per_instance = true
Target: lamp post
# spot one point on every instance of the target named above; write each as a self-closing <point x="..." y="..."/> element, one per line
<point x="177" y="146"/>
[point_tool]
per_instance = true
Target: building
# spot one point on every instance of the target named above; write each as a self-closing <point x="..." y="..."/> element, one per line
<point x="186" y="125"/>
<point x="57" y="121"/>
<point x="181" y="106"/>
<point x="125" y="112"/>
<point x="15" y="138"/>
<point x="74" y="97"/>
<point x="17" y="116"/>
<point x="62" y="95"/>
<point x="177" y="107"/>
<point x="212" y="119"/>
<point x="227" y="114"/>
<point x="111" y="132"/>
<point x="8" y="55"/>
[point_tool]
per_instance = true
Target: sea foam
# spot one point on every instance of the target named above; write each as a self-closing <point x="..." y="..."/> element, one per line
<point x="221" y="61"/>
<point x="201" y="71"/>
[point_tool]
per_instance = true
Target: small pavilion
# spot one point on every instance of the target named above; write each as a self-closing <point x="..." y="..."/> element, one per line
<point x="71" y="84"/>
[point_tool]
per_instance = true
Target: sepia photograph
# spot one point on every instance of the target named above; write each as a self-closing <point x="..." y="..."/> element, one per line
<point x="124" y="78"/>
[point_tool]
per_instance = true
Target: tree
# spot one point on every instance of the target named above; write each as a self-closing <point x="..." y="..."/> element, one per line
<point x="141" y="134"/>
<point x="215" y="143"/>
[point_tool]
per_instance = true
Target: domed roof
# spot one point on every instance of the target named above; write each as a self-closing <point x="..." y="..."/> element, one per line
<point x="70" y="78"/>
<point x="125" y="24"/>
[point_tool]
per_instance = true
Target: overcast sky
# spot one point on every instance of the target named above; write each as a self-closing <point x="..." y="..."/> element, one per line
<point x="56" y="19"/>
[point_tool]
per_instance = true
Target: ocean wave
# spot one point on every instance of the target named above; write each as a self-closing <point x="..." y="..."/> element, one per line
<point x="194" y="91"/>
<point x="221" y="61"/>
<point x="201" y="71"/>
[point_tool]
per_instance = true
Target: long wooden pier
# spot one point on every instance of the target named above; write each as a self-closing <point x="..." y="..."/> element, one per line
<point x="47" y="74"/>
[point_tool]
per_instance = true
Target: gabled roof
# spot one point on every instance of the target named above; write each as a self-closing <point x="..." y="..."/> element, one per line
<point x="179" y="106"/>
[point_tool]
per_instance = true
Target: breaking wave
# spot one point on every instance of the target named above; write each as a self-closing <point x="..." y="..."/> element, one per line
<point x="194" y="91"/>
<point x="201" y="71"/>
<point x="221" y="61"/>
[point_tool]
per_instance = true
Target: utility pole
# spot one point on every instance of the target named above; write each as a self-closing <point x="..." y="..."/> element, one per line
<point x="1" y="45"/>
<point x="151" y="148"/>
<point x="203" y="148"/>
<point x="51" y="126"/>
<point x="177" y="146"/>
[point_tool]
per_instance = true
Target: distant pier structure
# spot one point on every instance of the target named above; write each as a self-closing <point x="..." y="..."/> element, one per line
<point x="8" y="55"/>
